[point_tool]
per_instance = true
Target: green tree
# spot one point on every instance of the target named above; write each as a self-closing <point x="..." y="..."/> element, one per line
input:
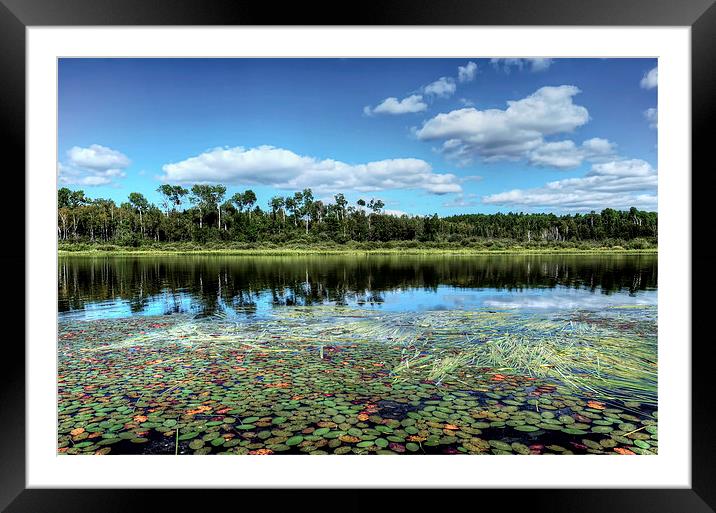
<point x="277" y="204"/>
<point x="172" y="195"/>
<point x="93" y="220"/>
<point x="341" y="204"/>
<point x="375" y="207"/>
<point x="140" y="204"/>
<point x="307" y="206"/>
<point x="208" y="199"/>
<point x="249" y="200"/>
<point x="293" y="205"/>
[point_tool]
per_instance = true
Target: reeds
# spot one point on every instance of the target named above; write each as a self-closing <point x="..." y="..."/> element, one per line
<point x="588" y="351"/>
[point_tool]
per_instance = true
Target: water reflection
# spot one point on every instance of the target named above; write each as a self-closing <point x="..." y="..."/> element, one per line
<point x="205" y="285"/>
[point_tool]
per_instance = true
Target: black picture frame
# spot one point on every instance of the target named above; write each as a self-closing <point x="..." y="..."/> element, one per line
<point x="700" y="15"/>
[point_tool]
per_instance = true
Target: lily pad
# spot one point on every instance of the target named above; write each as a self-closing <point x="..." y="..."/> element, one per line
<point x="294" y="440"/>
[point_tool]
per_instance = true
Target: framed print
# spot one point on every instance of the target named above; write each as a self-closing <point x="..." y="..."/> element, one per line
<point x="463" y="234"/>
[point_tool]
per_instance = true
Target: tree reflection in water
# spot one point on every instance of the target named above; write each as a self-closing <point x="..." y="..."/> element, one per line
<point x="211" y="284"/>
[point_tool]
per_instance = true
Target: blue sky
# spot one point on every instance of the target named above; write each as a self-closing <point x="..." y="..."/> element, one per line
<point x="423" y="135"/>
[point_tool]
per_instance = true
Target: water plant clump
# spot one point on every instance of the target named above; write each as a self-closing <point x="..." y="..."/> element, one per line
<point x="338" y="380"/>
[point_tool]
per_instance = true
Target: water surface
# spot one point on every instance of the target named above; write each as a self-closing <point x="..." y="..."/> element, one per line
<point x="540" y="354"/>
<point x="105" y="287"/>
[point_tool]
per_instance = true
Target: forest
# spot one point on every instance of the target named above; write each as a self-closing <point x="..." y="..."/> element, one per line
<point x="205" y="215"/>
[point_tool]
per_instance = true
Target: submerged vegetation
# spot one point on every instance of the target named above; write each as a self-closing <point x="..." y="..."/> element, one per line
<point x="204" y="218"/>
<point x="339" y="380"/>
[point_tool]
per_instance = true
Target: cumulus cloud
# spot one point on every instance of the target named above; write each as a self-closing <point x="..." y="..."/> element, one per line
<point x="98" y="157"/>
<point x="566" y="154"/>
<point x="284" y="169"/>
<point x="92" y="166"/>
<point x="467" y="72"/>
<point x="534" y="64"/>
<point x="392" y="105"/>
<point x="650" y="79"/>
<point x="509" y="134"/>
<point x="444" y="87"/>
<point x="561" y="154"/>
<point x="618" y="184"/>
<point x="597" y="146"/>
<point x="652" y="116"/>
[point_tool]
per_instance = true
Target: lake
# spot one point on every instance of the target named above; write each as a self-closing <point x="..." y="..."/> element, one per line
<point x="95" y="288"/>
<point x="353" y="354"/>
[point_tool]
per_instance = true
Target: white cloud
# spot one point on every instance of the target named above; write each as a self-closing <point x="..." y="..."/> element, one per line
<point x="467" y="72"/>
<point x="284" y="169"/>
<point x="540" y="64"/>
<point x="616" y="184"/>
<point x="597" y="146"/>
<point x="534" y="64"/>
<point x="444" y="87"/>
<point x="97" y="157"/>
<point x="411" y="104"/>
<point x="92" y="166"/>
<point x="650" y="79"/>
<point x="652" y="116"/>
<point x="512" y="133"/>
<point x="566" y="154"/>
<point x="71" y="175"/>
<point x="562" y="154"/>
<point x="623" y="168"/>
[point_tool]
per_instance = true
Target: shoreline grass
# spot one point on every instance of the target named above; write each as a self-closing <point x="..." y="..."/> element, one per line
<point x="83" y="250"/>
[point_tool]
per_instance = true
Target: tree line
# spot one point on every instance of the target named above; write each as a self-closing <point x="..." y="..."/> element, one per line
<point x="204" y="213"/>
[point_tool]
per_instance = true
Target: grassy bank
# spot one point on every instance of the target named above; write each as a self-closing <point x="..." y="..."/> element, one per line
<point x="401" y="247"/>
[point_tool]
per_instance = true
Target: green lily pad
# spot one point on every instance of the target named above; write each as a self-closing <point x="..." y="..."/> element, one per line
<point x="526" y="428"/>
<point x="520" y="448"/>
<point x="642" y="444"/>
<point x="499" y="444"/>
<point x="196" y="444"/>
<point x="294" y="440"/>
<point x="572" y="431"/>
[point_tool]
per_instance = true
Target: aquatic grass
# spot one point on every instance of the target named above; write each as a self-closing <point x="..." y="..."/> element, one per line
<point x="579" y="355"/>
<point x="217" y="383"/>
<point x="446" y="366"/>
